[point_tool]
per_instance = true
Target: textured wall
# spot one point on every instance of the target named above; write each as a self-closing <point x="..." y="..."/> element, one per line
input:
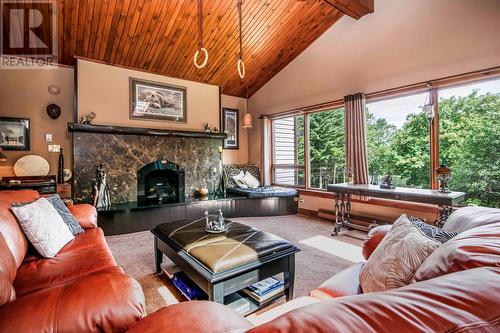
<point x="123" y="155"/>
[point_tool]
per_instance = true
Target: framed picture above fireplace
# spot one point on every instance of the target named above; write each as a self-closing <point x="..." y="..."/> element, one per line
<point x="157" y="101"/>
<point x="14" y="133"/>
<point x="230" y="121"/>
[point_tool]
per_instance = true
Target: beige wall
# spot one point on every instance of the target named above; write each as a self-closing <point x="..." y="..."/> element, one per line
<point x="237" y="156"/>
<point x="402" y="42"/>
<point x="23" y="93"/>
<point x="104" y="90"/>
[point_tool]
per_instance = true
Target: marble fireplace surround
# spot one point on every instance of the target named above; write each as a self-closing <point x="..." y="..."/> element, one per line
<point x="124" y="150"/>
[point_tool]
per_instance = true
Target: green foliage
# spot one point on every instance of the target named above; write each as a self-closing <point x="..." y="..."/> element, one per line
<point x="469" y="144"/>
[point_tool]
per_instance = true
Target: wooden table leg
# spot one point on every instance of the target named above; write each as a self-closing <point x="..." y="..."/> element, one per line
<point x="216" y="292"/>
<point x="158" y="256"/>
<point x="289" y="277"/>
<point x="337" y="227"/>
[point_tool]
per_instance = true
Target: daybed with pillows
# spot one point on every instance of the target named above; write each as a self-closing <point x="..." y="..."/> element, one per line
<point x="244" y="180"/>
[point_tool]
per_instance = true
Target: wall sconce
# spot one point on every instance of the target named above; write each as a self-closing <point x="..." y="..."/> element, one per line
<point x="247" y="120"/>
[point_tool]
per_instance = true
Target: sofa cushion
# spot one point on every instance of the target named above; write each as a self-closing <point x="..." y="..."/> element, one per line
<point x="344" y="283"/>
<point x="460" y="302"/>
<point x="8" y="271"/>
<point x="193" y="317"/>
<point x="470" y="217"/>
<point x="87" y="253"/>
<point x="43" y="226"/>
<point x="397" y="258"/>
<point x="475" y="247"/>
<point x="103" y="301"/>
<point x="9" y="227"/>
<point x="67" y="217"/>
<point x="436" y="233"/>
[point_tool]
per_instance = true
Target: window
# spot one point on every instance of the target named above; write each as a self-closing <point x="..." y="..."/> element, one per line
<point x="288" y="151"/>
<point x="326" y="148"/>
<point x="398" y="140"/>
<point x="469" y="139"/>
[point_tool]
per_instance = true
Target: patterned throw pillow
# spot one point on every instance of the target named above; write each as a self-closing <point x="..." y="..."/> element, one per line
<point x="67" y="217"/>
<point x="250" y="180"/>
<point x="238" y="180"/>
<point x="396" y="259"/>
<point x="43" y="226"/>
<point x="230" y="171"/>
<point x="431" y="231"/>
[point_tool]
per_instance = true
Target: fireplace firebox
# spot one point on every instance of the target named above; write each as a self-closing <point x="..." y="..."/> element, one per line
<point x="160" y="182"/>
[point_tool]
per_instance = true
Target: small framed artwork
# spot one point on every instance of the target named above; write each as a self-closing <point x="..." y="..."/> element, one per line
<point x="14" y="133"/>
<point x="157" y="101"/>
<point x="230" y="121"/>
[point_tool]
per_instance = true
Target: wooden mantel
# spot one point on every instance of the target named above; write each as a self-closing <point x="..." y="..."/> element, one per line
<point x="109" y="129"/>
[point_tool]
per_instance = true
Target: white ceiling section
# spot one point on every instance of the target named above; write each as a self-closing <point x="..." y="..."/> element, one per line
<point x="402" y="42"/>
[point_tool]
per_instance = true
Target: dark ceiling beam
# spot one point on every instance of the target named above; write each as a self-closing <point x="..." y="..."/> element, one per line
<point x="354" y="8"/>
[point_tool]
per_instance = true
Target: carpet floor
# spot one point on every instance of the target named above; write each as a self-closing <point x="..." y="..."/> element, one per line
<point x="321" y="256"/>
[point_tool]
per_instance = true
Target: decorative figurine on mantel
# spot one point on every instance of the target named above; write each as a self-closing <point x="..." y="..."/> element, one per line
<point x="207" y="128"/>
<point x="443" y="176"/>
<point x="387" y="183"/>
<point x="216" y="226"/>
<point x="100" y="189"/>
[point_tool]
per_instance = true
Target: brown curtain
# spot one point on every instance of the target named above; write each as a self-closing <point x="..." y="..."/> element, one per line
<point x="355" y="137"/>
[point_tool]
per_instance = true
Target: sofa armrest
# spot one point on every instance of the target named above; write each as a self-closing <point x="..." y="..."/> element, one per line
<point x="103" y="301"/>
<point x="374" y="238"/>
<point x="344" y="283"/>
<point x="85" y="214"/>
<point x="194" y="316"/>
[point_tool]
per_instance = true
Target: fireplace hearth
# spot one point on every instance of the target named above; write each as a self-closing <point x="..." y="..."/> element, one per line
<point x="160" y="182"/>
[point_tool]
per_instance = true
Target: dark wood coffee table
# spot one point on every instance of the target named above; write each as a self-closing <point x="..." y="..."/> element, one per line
<point x="221" y="264"/>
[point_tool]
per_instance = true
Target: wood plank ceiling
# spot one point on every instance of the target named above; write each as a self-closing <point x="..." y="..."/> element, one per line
<point x="161" y="36"/>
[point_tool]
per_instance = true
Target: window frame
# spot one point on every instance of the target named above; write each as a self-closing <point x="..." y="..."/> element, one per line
<point x="431" y="86"/>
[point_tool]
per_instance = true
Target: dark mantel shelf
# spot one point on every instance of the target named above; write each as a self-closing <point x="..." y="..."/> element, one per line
<point x="75" y="127"/>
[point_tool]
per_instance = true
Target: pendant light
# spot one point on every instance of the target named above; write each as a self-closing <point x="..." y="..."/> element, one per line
<point x="241" y="64"/>
<point x="247" y="117"/>
<point x="200" y="39"/>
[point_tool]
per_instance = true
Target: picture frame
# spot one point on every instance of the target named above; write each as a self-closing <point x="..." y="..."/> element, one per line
<point x="151" y="100"/>
<point x="230" y="126"/>
<point x="14" y="133"/>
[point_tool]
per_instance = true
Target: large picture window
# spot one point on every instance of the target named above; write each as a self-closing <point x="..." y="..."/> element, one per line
<point x="309" y="149"/>
<point x="398" y="140"/>
<point x="288" y="151"/>
<point x="326" y="148"/>
<point x="469" y="139"/>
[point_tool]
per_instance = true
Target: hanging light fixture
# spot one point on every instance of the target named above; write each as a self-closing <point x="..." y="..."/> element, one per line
<point x="247" y="117"/>
<point x="200" y="39"/>
<point x="241" y="64"/>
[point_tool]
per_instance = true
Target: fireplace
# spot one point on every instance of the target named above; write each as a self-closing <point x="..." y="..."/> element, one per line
<point x="160" y="182"/>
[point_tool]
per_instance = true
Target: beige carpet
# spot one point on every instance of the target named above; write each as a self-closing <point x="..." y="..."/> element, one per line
<point x="321" y="258"/>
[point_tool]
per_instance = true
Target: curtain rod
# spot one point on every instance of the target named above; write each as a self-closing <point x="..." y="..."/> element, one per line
<point x="410" y="88"/>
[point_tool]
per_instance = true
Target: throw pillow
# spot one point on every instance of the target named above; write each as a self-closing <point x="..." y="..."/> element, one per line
<point x="238" y="180"/>
<point x="43" y="226"/>
<point x="396" y="259"/>
<point x="250" y="180"/>
<point x="431" y="231"/>
<point x="67" y="217"/>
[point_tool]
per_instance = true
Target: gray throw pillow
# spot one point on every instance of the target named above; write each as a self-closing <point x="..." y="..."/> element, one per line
<point x="436" y="233"/>
<point x="67" y="217"/>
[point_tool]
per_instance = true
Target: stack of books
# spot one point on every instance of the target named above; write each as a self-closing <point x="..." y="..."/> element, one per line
<point x="265" y="289"/>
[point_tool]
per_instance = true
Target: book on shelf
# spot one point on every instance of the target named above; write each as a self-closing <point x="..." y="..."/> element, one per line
<point x="237" y="302"/>
<point x="264" y="290"/>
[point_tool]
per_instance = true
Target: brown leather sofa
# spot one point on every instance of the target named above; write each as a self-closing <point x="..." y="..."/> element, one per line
<point x="82" y="289"/>
<point x="456" y="290"/>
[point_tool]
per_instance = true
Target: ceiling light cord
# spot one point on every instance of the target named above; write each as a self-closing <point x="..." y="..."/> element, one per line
<point x="241" y="64"/>
<point x="200" y="39"/>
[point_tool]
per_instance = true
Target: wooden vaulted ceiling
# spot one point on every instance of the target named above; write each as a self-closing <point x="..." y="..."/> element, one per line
<point x="160" y="36"/>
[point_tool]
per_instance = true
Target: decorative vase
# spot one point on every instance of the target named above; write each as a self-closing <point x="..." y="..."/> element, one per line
<point x="60" y="168"/>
